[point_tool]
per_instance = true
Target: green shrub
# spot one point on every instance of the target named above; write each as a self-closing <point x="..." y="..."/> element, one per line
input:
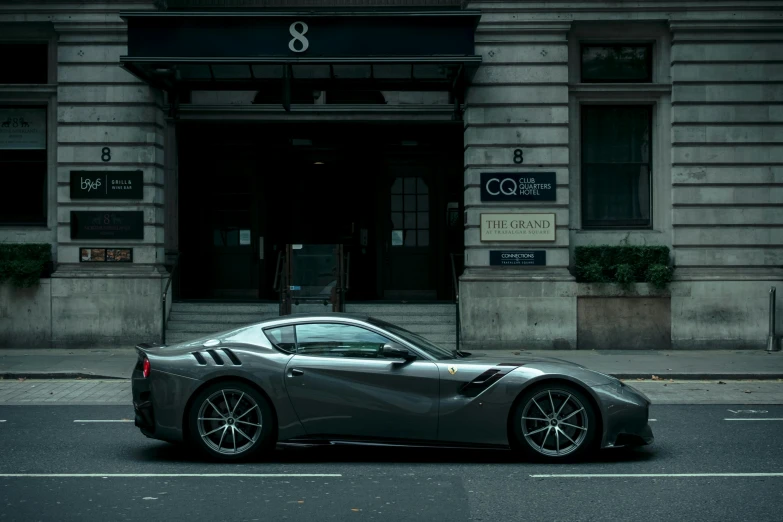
<point x="659" y="275"/>
<point x="23" y="264"/>
<point x="623" y="264"/>
<point x="624" y="275"/>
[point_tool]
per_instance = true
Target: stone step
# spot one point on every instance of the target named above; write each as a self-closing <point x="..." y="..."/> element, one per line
<point x="226" y="308"/>
<point x="378" y="310"/>
<point x="205" y="327"/>
<point x="431" y="328"/>
<point x="405" y="320"/>
<point x="227" y="318"/>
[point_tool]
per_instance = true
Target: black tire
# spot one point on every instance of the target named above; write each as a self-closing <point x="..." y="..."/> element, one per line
<point x="249" y="409"/>
<point x="550" y="441"/>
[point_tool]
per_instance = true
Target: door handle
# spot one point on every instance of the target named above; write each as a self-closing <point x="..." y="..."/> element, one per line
<point x="296" y="372"/>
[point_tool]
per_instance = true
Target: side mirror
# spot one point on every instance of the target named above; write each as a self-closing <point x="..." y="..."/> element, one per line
<point x="390" y="352"/>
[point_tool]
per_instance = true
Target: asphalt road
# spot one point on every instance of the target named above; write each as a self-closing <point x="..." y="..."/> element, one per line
<point x="342" y="483"/>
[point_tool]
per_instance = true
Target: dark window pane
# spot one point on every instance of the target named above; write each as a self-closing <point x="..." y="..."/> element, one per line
<point x="616" y="145"/>
<point x="616" y="134"/>
<point x="410" y="185"/>
<point x="282" y="337"/>
<point x="421" y="186"/>
<point x="423" y="220"/>
<point x="424" y="237"/>
<point x="397" y="186"/>
<point x="338" y="340"/>
<point x="24" y="63"/>
<point x="410" y="203"/>
<point x="410" y="220"/>
<point x="616" y="63"/>
<point x="410" y="238"/>
<point x="396" y="203"/>
<point x="396" y="219"/>
<point x="23" y="197"/>
<point x="423" y="202"/>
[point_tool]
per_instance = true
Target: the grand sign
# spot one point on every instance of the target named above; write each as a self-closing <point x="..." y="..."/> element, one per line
<point x="87" y="184"/>
<point x="92" y="224"/>
<point x="523" y="186"/>
<point x="517" y="227"/>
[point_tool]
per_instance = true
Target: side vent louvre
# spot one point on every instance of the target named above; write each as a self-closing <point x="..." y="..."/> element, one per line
<point x="215" y="357"/>
<point x="232" y="356"/>
<point x="199" y="358"/>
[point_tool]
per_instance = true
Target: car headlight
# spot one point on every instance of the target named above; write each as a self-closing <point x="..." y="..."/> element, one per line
<point x="638" y="392"/>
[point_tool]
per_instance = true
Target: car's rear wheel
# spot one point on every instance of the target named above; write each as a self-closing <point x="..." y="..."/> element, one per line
<point x="231" y="420"/>
<point x="554" y="422"/>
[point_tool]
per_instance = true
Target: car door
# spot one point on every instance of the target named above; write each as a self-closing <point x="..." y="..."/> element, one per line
<point x="341" y="385"/>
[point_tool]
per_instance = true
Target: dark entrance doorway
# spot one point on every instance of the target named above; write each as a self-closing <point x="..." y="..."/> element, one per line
<point x="249" y="193"/>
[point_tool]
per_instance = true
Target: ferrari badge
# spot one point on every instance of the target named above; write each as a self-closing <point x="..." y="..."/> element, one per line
<point x="452" y="370"/>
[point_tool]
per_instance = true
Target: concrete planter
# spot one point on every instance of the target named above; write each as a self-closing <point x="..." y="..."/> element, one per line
<point x="610" y="318"/>
<point x="26" y="315"/>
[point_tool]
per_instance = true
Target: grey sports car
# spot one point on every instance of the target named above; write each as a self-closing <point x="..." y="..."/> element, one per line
<point x="336" y="378"/>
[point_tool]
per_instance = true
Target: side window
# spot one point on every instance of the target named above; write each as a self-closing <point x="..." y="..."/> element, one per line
<point x="282" y="337"/>
<point x="338" y="340"/>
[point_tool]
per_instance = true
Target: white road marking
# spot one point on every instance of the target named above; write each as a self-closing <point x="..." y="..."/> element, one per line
<point x="656" y="475"/>
<point x="154" y="475"/>
<point x="768" y="419"/>
<point x="103" y="420"/>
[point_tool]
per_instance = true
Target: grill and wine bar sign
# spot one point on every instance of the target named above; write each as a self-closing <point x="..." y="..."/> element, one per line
<point x="87" y="184"/>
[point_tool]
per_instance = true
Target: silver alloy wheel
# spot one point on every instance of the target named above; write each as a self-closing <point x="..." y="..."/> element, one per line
<point x="230" y="421"/>
<point x="554" y="423"/>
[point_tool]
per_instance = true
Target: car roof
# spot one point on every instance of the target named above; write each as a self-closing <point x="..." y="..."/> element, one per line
<point x="304" y="318"/>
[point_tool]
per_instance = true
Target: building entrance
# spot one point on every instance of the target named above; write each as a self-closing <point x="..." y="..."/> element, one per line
<point x="254" y="198"/>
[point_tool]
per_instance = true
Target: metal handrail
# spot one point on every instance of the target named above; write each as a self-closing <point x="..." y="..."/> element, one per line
<point x="163" y="300"/>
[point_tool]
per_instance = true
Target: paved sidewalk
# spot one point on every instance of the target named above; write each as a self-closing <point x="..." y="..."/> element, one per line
<point x="117" y="363"/>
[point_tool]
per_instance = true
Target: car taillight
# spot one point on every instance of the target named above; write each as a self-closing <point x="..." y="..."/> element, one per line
<point x="145" y="369"/>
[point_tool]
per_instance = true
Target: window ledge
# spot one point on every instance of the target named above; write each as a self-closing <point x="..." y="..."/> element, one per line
<point x="28" y="88"/>
<point x="618" y="88"/>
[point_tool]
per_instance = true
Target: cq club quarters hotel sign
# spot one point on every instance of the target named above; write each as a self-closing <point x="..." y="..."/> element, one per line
<point x="517" y="227"/>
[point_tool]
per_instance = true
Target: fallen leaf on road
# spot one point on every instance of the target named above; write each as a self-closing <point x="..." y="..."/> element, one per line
<point x="669" y="369"/>
<point x="748" y="391"/>
<point x="22" y="379"/>
<point x="300" y="501"/>
<point x="721" y="382"/>
<point x="355" y="509"/>
<point x="656" y="378"/>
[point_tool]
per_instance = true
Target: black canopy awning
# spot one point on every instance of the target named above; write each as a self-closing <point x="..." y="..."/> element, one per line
<point x="186" y="51"/>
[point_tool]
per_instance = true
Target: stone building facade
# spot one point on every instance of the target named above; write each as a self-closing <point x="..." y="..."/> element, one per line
<point x="704" y="92"/>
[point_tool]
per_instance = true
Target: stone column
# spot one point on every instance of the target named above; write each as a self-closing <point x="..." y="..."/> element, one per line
<point x="100" y="106"/>
<point x="519" y="100"/>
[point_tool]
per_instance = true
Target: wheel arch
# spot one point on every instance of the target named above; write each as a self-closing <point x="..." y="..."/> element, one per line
<point x="554" y="379"/>
<point x="225" y="378"/>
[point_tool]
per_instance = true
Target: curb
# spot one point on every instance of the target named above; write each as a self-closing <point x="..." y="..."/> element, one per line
<point x="59" y="375"/>
<point x="696" y="376"/>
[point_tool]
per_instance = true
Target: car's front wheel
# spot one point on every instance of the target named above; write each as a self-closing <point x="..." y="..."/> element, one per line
<point x="554" y="422"/>
<point x="231" y="420"/>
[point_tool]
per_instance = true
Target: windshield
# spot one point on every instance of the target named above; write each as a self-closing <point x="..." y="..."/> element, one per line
<point x="417" y="340"/>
